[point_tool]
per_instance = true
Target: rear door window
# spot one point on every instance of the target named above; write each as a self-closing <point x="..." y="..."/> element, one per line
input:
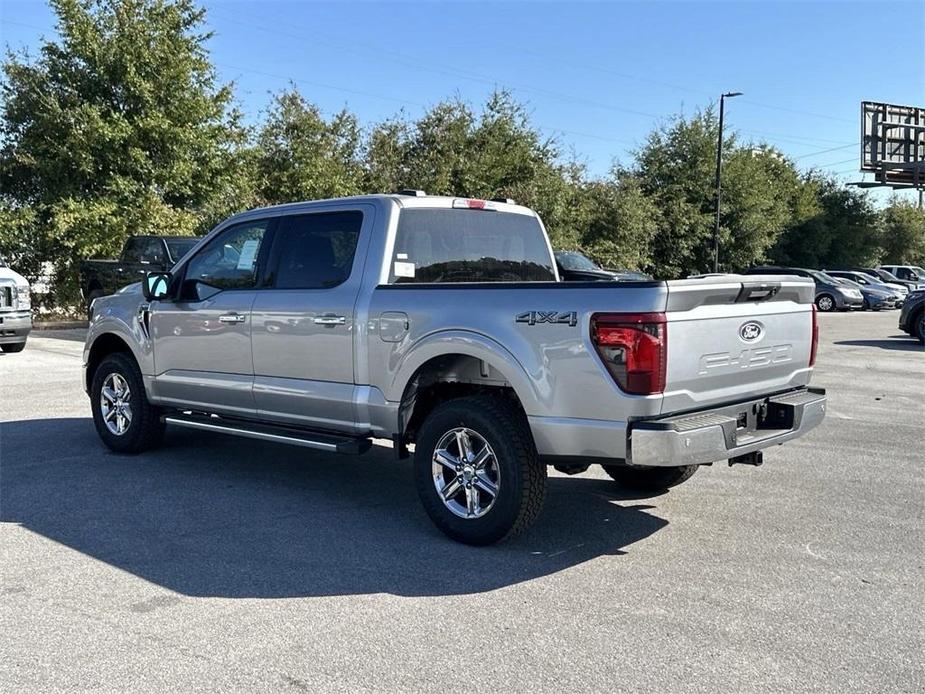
<point x="315" y="251"/>
<point x="459" y="245"/>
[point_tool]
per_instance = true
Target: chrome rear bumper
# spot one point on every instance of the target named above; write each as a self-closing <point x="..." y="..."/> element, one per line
<point x="726" y="432"/>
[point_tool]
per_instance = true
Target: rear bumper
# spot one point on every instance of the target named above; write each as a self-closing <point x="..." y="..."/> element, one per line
<point x="712" y="435"/>
<point x="15" y="326"/>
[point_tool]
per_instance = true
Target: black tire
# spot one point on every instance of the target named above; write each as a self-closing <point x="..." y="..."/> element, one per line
<point x="826" y="303"/>
<point x="520" y="474"/>
<point x="918" y="327"/>
<point x="13" y="347"/>
<point x="653" y="479"/>
<point x="145" y="430"/>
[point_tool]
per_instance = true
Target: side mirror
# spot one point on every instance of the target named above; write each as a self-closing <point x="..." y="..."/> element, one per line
<point x="156" y="285"/>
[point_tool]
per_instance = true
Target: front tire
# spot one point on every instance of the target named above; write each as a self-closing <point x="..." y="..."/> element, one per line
<point x="918" y="327"/>
<point x="477" y="471"/>
<point x="13" y="347"/>
<point x="825" y="303"/>
<point x="124" y="419"/>
<point x="653" y="479"/>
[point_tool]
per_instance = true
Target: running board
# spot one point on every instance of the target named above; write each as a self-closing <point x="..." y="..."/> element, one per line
<point x="268" y="432"/>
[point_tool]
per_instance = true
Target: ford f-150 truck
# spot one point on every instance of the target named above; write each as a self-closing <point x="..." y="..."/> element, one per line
<point x="440" y="323"/>
<point x="140" y="255"/>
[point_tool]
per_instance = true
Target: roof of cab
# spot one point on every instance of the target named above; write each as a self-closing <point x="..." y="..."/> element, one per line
<point x="400" y="199"/>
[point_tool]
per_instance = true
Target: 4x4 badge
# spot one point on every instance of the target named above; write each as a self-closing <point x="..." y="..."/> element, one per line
<point x="558" y="317"/>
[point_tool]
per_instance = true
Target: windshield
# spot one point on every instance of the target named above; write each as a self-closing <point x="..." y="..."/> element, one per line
<point x="179" y="247"/>
<point x="887" y="276"/>
<point x="822" y="277"/>
<point x="439" y="245"/>
<point x="573" y="260"/>
<point x="847" y="283"/>
<point x="918" y="271"/>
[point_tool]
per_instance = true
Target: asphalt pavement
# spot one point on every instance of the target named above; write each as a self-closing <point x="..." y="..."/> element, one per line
<point x="222" y="564"/>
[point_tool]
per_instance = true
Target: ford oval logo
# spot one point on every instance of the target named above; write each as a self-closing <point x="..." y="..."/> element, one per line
<point x="751" y="331"/>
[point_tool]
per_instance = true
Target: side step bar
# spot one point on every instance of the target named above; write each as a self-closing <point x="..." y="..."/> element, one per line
<point x="268" y="432"/>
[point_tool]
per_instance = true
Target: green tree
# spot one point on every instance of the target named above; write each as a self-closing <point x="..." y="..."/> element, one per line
<point x="622" y="223"/>
<point x="903" y="233"/>
<point x="843" y="232"/>
<point x="763" y="195"/>
<point x="675" y="167"/>
<point x="117" y="128"/>
<point x="300" y="156"/>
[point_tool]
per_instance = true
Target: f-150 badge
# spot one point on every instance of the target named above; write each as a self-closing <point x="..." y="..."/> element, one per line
<point x="558" y="317"/>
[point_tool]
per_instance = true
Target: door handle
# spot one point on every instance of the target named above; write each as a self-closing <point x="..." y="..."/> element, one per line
<point x="231" y="318"/>
<point x="329" y="320"/>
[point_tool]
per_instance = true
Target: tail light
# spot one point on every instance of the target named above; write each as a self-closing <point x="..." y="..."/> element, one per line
<point x="634" y="348"/>
<point x="815" y="345"/>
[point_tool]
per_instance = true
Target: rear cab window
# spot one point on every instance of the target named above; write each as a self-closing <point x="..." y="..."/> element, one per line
<point x="452" y="245"/>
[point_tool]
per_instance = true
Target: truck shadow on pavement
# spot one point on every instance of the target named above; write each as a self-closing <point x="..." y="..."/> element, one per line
<point x="222" y="517"/>
<point x="901" y="343"/>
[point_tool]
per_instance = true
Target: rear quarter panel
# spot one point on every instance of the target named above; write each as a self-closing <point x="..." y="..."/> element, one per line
<point x="552" y="367"/>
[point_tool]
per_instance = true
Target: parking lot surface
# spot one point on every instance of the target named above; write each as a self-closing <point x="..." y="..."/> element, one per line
<point x="222" y="564"/>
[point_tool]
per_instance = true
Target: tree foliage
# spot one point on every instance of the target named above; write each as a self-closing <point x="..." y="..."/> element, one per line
<point x="902" y="233"/>
<point x="301" y="156"/>
<point x="117" y="128"/>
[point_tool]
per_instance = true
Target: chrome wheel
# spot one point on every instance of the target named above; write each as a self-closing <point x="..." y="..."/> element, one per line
<point x="466" y="473"/>
<point x="115" y="404"/>
<point x="826" y="303"/>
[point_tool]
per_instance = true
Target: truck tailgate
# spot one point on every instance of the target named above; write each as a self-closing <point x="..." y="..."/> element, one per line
<point x="735" y="337"/>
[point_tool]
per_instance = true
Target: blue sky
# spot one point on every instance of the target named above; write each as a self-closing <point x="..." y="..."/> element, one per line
<point x="598" y="76"/>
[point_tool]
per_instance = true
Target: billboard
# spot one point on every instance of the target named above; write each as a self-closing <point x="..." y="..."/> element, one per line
<point x="893" y="143"/>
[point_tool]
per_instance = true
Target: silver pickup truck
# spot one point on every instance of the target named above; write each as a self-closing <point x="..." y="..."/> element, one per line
<point x="440" y="323"/>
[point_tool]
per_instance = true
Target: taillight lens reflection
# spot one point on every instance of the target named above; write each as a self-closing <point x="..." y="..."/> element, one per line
<point x="633" y="347"/>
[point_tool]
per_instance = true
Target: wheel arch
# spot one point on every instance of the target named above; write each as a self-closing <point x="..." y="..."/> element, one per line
<point x="457" y="364"/>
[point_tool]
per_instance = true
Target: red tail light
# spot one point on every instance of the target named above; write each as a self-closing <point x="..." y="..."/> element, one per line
<point x="634" y="348"/>
<point x="815" y="345"/>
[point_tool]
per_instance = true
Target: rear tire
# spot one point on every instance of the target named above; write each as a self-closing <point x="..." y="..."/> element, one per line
<point x="825" y="303"/>
<point x="13" y="347"/>
<point x="467" y="511"/>
<point x="124" y="419"/>
<point x="653" y="479"/>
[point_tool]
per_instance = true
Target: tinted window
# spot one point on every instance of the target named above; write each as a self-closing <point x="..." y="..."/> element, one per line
<point x="452" y="245"/>
<point x="315" y="251"/>
<point x="229" y="261"/>
<point x="179" y="247"/>
<point x="134" y="249"/>
<point x="153" y="251"/>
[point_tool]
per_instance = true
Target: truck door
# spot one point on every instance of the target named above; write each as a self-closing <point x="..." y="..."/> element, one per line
<point x="202" y="340"/>
<point x="304" y="322"/>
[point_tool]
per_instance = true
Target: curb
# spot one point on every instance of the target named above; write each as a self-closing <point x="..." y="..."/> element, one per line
<point x="59" y="324"/>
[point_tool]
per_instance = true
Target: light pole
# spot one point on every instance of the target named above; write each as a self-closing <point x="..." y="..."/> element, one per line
<point x="719" y="172"/>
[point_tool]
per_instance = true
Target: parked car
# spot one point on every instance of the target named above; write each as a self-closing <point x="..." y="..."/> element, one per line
<point x="15" y="309"/>
<point x="880" y="290"/>
<point x="575" y="266"/>
<point x="888" y="277"/>
<point x="908" y="273"/>
<point x="440" y="322"/>
<point x="140" y="255"/>
<point x="874" y="299"/>
<point x="831" y="295"/>
<point x="912" y="317"/>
